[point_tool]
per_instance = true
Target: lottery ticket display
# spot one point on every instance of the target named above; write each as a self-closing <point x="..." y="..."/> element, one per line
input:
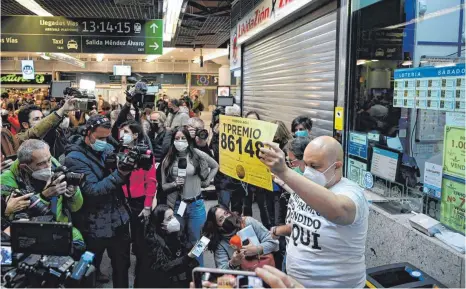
<point x="434" y="88"/>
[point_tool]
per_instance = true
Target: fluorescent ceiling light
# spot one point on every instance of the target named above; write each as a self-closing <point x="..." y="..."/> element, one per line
<point x="374" y="60"/>
<point x="218" y="53"/>
<point x="34" y="7"/>
<point x="407" y="63"/>
<point x="99" y="57"/>
<point x="361" y="62"/>
<point x="171" y="14"/>
<point x="166" y="50"/>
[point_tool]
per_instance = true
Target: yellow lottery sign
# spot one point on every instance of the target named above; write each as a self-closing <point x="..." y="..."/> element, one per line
<point x="240" y="142"/>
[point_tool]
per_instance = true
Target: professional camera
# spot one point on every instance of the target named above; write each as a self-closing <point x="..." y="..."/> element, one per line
<point x="136" y="93"/>
<point x="37" y="207"/>
<point x="203" y="134"/>
<point x="139" y="156"/>
<point x="85" y="100"/>
<point x="71" y="179"/>
<point x="216" y="115"/>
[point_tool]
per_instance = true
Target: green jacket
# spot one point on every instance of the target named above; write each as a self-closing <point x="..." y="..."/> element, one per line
<point x="8" y="179"/>
<point x="41" y="129"/>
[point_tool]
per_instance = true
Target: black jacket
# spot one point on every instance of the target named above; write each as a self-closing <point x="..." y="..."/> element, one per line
<point x="104" y="208"/>
<point x="167" y="264"/>
<point x="160" y="144"/>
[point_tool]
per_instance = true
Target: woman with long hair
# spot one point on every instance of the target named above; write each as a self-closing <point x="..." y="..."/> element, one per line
<point x="139" y="190"/>
<point x="185" y="170"/>
<point x="167" y="264"/>
<point x="221" y="225"/>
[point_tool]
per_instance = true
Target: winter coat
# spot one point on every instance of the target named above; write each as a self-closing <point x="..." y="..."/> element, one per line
<point x="41" y="129"/>
<point x="104" y="208"/>
<point x="161" y="144"/>
<point x="167" y="264"/>
<point x="142" y="184"/>
<point x="9" y="180"/>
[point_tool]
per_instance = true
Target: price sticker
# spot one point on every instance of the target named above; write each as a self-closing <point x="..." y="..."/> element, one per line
<point x="240" y="142"/>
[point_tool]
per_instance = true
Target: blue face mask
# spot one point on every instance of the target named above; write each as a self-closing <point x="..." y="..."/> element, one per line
<point x="99" y="145"/>
<point x="303" y="133"/>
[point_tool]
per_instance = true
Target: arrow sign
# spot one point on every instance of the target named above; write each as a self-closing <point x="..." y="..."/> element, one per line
<point x="155" y="45"/>
<point x="153" y="26"/>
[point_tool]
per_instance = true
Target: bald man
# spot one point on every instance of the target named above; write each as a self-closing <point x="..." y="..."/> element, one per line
<point x="328" y="226"/>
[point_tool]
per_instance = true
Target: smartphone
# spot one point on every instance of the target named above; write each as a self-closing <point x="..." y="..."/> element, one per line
<point x="6" y="256"/>
<point x="200" y="246"/>
<point x="219" y="278"/>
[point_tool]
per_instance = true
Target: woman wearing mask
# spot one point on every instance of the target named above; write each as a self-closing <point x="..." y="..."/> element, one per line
<point x="221" y="225"/>
<point x="168" y="264"/>
<point x="184" y="185"/>
<point x="302" y="126"/>
<point x="140" y="192"/>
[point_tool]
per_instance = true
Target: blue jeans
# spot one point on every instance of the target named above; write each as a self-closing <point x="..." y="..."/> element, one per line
<point x="194" y="218"/>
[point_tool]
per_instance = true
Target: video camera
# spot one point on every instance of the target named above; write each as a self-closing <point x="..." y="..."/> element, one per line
<point x="84" y="102"/>
<point x="139" y="156"/>
<point x="136" y="93"/>
<point x="40" y="257"/>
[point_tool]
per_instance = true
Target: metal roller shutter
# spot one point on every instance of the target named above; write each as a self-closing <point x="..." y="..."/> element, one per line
<point x="292" y="72"/>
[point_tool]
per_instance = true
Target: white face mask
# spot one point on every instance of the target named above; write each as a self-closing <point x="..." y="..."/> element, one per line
<point x="46" y="112"/>
<point x="65" y="123"/>
<point x="173" y="226"/>
<point x="318" y="177"/>
<point x="42" y="174"/>
<point x="127" y="139"/>
<point x="181" y="145"/>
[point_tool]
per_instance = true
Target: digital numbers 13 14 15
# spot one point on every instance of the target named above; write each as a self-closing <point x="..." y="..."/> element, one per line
<point x="231" y="143"/>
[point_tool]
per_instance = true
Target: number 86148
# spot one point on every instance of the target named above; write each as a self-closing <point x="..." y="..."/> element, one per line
<point x="231" y="143"/>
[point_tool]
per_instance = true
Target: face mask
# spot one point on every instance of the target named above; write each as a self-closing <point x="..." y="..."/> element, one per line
<point x="127" y="139"/>
<point x="230" y="224"/>
<point x="298" y="170"/>
<point x="302" y="133"/>
<point x="65" y="123"/>
<point x="133" y="113"/>
<point x="192" y="132"/>
<point x="86" y="117"/>
<point x="42" y="174"/>
<point x="46" y="112"/>
<point x="173" y="226"/>
<point x="154" y="126"/>
<point x="318" y="177"/>
<point x="181" y="145"/>
<point x="99" y="145"/>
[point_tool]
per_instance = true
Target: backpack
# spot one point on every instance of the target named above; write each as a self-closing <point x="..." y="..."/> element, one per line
<point x="201" y="106"/>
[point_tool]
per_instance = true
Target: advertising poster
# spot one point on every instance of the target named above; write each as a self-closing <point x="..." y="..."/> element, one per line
<point x="358" y="145"/>
<point x="27" y="67"/>
<point x="240" y="143"/>
<point x="452" y="207"/>
<point x="454" y="148"/>
<point x="433" y="180"/>
<point x="356" y="171"/>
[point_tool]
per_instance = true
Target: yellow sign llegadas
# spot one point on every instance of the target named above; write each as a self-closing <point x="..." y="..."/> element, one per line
<point x="239" y="145"/>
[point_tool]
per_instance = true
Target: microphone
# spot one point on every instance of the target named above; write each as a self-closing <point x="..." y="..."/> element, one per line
<point x="182" y="165"/>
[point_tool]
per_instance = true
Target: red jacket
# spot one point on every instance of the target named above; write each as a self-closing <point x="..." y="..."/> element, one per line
<point x="142" y="183"/>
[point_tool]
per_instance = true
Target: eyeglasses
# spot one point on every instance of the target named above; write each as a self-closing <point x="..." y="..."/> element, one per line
<point x="291" y="163"/>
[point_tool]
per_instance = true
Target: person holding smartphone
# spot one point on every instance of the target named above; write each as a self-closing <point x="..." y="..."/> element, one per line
<point x="168" y="264"/>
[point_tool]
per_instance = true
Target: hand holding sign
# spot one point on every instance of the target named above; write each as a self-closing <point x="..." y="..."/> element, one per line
<point x="273" y="157"/>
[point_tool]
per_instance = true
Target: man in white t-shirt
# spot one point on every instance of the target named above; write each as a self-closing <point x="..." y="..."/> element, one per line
<point x="329" y="217"/>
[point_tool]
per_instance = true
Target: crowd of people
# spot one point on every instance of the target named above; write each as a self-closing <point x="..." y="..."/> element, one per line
<point x="144" y="171"/>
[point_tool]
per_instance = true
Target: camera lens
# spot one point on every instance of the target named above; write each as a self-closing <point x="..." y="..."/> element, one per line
<point x="203" y="134"/>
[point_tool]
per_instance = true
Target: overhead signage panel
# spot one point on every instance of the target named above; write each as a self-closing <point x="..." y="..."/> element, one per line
<point x="81" y="35"/>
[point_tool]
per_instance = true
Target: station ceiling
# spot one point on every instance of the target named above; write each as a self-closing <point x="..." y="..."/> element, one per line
<point x="204" y="23"/>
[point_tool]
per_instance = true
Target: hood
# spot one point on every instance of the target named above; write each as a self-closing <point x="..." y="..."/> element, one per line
<point x="75" y="143"/>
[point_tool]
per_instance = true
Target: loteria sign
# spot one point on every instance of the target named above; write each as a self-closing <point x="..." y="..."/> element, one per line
<point x="264" y="15"/>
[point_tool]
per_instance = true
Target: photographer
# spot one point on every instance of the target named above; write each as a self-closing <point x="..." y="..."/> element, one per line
<point x="33" y="123"/>
<point x="139" y="190"/>
<point x="30" y="179"/>
<point x="199" y="134"/>
<point x="103" y="219"/>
